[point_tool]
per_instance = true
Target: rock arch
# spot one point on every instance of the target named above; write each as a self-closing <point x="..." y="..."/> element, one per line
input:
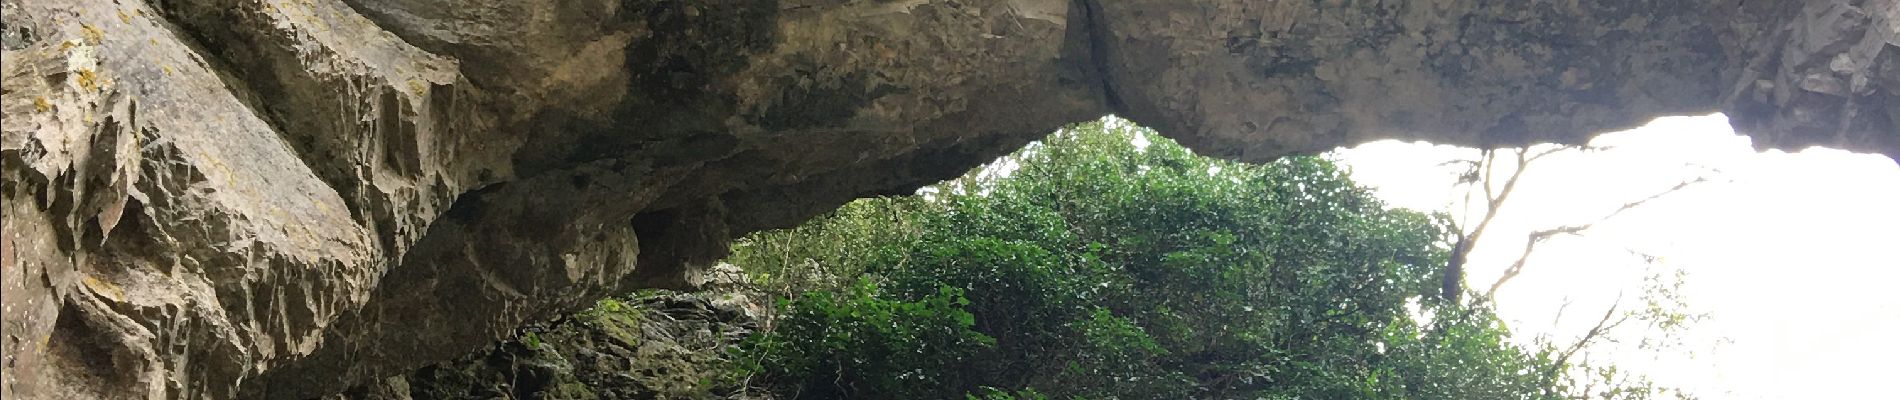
<point x="277" y="198"/>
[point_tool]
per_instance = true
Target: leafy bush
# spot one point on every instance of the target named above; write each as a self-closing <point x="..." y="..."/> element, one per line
<point x="858" y="343"/>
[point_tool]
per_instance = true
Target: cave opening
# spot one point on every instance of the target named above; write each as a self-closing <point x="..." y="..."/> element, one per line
<point x="1681" y="212"/>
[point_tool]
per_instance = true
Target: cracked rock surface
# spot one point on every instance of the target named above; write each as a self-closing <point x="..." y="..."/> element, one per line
<point x="285" y="198"/>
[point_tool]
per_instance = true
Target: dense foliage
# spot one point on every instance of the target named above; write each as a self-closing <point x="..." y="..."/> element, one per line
<point x="1107" y="262"/>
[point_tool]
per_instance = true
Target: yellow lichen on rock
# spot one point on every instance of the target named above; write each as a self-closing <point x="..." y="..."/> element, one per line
<point x="103" y="288"/>
<point x="88" y="80"/>
<point x="92" y="34"/>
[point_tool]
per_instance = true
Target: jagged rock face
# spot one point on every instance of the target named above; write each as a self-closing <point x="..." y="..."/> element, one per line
<point x="664" y="346"/>
<point x="280" y="198"/>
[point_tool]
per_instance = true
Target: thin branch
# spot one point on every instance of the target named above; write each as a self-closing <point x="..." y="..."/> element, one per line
<point x="1494" y="201"/>
<point x="1638" y="203"/>
<point x="1602" y="326"/>
<point x="1551" y="150"/>
<point x="1470" y="164"/>
<point x="1490" y="163"/>
<point x="1538" y="237"/>
<point x="1560" y="311"/>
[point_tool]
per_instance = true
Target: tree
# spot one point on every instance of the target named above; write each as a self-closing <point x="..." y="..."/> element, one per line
<point x="1664" y="310"/>
<point x="1092" y="265"/>
<point x="1494" y="189"/>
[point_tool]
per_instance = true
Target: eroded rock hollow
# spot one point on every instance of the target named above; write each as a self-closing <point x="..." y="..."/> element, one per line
<point x="282" y="198"/>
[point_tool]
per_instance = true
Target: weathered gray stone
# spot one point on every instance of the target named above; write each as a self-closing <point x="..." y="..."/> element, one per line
<point x="282" y="198"/>
<point x="660" y="346"/>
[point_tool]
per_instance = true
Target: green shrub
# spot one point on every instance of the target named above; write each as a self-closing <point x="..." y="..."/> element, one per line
<point x="1104" y="269"/>
<point x="860" y="344"/>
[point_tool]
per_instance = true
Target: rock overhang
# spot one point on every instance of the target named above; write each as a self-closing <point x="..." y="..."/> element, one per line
<point x="280" y="198"/>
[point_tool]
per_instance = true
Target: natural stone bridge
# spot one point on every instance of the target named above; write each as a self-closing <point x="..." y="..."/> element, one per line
<point x="280" y="198"/>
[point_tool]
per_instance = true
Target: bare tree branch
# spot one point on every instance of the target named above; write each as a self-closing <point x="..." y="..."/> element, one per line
<point x="1469" y="164"/>
<point x="1497" y="187"/>
<point x="1539" y="237"/>
<point x="1453" y="284"/>
<point x="1490" y="163"/>
<point x="1549" y="151"/>
<point x="1603" y="325"/>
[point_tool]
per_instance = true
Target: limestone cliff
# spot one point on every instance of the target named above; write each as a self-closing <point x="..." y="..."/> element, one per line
<point x="282" y="198"/>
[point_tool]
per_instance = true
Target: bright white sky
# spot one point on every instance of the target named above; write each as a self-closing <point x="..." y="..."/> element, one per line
<point x="1796" y="256"/>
